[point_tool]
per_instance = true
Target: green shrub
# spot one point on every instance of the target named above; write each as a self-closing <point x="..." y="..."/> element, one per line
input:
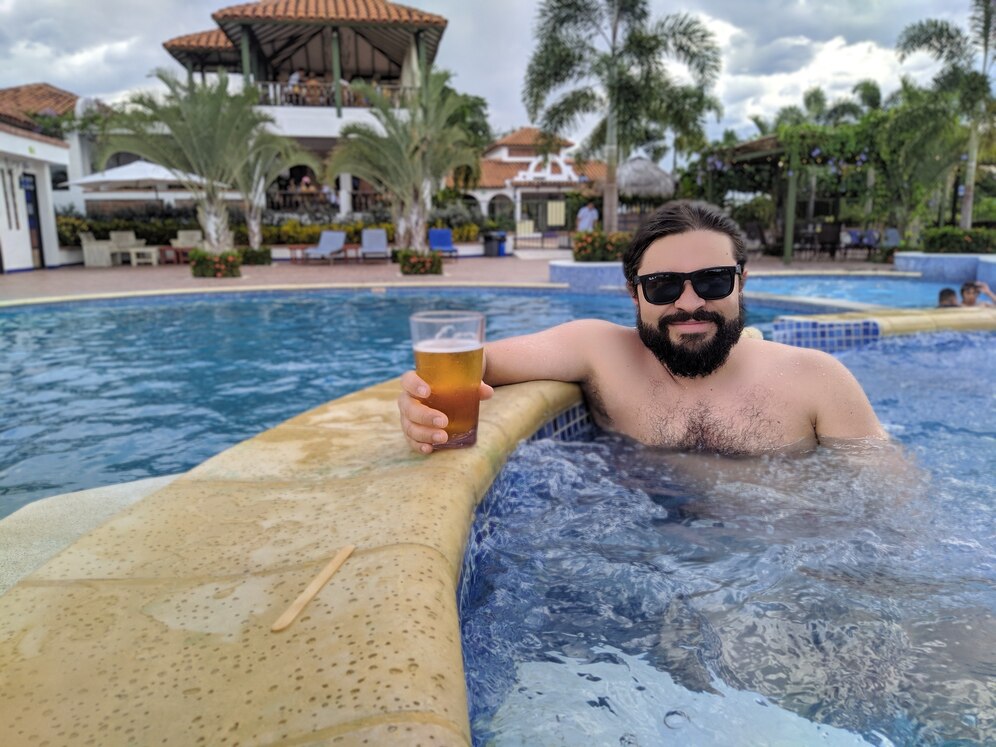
<point x="466" y="233"/>
<point x="206" y="265"/>
<point x="69" y="228"/>
<point x="420" y="263"/>
<point x="952" y="240"/>
<point x="595" y="246"/>
<point x="259" y="256"/>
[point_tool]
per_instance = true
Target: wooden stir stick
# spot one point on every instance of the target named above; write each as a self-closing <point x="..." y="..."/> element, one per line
<point x="313" y="588"/>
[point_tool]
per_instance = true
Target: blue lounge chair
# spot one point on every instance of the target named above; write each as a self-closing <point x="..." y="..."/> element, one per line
<point x="330" y="246"/>
<point x="373" y="244"/>
<point x="441" y="240"/>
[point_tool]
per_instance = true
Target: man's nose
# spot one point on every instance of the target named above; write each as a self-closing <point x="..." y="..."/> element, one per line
<point x="689" y="300"/>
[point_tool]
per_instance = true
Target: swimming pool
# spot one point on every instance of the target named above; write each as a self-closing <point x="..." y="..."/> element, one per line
<point x="100" y="393"/>
<point x="883" y="291"/>
<point x="626" y="595"/>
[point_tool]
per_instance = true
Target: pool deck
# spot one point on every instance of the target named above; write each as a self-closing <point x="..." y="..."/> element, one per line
<point x="529" y="268"/>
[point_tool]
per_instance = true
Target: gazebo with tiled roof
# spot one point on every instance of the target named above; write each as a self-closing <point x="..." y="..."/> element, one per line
<point x="335" y="40"/>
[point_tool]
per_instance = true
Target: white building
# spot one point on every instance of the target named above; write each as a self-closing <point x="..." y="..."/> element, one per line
<point x="518" y="180"/>
<point x="28" y="238"/>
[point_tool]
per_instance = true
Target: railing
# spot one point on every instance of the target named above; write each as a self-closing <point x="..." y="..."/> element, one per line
<point x="294" y="200"/>
<point x="321" y="93"/>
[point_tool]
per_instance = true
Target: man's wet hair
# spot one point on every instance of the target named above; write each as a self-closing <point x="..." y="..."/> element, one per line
<point x="970" y="285"/>
<point x="677" y="218"/>
<point x="947" y="297"/>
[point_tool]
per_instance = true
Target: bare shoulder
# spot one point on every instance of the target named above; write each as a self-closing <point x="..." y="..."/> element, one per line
<point x="781" y="355"/>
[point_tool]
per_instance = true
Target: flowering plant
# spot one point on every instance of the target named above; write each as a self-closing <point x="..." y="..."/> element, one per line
<point x="595" y="246"/>
<point x="207" y="265"/>
<point x="420" y="263"/>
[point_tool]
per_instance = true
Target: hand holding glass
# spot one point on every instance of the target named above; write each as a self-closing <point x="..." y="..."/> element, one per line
<point x="449" y="357"/>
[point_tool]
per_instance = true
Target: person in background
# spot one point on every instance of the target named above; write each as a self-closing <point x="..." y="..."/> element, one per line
<point x="970" y="294"/>
<point x="947" y="298"/>
<point x="587" y="217"/>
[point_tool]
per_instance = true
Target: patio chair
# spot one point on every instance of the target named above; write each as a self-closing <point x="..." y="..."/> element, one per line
<point x="441" y="240"/>
<point x="373" y="244"/>
<point x="330" y="246"/>
<point x="138" y="251"/>
<point x="96" y="253"/>
<point x="187" y="240"/>
<point x="892" y="239"/>
<point x="828" y="239"/>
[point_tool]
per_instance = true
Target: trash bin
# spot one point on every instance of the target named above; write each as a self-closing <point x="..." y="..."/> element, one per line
<point x="500" y="235"/>
<point x="494" y="243"/>
<point x="490" y="244"/>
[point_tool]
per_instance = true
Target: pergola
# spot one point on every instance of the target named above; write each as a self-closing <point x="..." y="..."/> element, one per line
<point x="343" y="39"/>
<point x="777" y="164"/>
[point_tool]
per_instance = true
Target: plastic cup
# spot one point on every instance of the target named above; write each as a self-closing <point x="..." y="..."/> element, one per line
<point x="449" y="357"/>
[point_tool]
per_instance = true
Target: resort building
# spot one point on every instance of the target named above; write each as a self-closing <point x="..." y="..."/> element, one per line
<point x="303" y="56"/>
<point x="518" y="180"/>
<point x="29" y="163"/>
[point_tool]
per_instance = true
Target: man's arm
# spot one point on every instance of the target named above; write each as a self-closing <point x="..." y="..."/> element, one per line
<point x="985" y="291"/>
<point x="842" y="408"/>
<point x="559" y="354"/>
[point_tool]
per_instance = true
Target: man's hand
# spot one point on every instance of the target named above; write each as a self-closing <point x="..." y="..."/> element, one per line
<point x="423" y="426"/>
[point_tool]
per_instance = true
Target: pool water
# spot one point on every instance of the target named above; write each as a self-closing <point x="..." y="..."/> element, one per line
<point x="100" y="393"/>
<point x="882" y="291"/>
<point x="618" y="594"/>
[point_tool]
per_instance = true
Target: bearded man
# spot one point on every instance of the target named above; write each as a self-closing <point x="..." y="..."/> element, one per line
<point x="684" y="377"/>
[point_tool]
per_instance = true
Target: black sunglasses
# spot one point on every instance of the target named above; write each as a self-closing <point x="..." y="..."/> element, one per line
<point x="709" y="284"/>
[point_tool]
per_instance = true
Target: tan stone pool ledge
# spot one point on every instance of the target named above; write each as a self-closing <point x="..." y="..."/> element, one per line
<point x="155" y="627"/>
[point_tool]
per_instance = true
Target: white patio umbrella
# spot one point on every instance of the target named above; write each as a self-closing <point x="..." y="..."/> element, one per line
<point x="137" y="175"/>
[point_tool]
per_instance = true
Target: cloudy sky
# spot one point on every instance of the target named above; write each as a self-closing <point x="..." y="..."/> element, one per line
<point x="772" y="50"/>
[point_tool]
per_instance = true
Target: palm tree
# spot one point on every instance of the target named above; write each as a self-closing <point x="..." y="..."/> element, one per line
<point x="957" y="50"/>
<point x="416" y="146"/>
<point x="199" y="132"/>
<point x="587" y="49"/>
<point x="267" y="156"/>
<point x="916" y="141"/>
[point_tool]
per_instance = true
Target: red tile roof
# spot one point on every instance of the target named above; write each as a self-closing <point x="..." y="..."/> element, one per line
<point x="202" y="40"/>
<point x="494" y="173"/>
<point x="526" y="136"/>
<point x="359" y="11"/>
<point x="17" y="104"/>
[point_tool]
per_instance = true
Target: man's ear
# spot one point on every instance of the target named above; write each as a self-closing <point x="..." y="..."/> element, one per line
<point x="743" y="278"/>
<point x="633" y="294"/>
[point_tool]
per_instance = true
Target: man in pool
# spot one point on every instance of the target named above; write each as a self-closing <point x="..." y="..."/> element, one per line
<point x="684" y="378"/>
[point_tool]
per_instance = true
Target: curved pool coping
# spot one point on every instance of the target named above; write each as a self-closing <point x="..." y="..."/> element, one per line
<point x="157" y="623"/>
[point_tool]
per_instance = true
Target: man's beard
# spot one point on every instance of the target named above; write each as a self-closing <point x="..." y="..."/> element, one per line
<point x="695" y="358"/>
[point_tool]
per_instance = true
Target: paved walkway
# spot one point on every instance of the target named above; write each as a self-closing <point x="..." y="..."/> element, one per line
<point x="80" y="281"/>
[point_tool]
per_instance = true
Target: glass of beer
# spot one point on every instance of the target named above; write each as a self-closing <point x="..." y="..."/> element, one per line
<point x="449" y="357"/>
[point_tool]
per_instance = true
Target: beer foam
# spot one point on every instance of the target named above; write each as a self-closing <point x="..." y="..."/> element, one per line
<point x="452" y="345"/>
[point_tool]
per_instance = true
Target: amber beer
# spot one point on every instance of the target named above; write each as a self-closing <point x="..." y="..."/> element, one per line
<point x="449" y="356"/>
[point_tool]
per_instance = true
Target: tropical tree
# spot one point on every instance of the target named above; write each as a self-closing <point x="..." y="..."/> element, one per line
<point x="409" y="155"/>
<point x="958" y="50"/>
<point x="267" y="156"/>
<point x="588" y="51"/>
<point x="199" y="132"/>
<point x="916" y="142"/>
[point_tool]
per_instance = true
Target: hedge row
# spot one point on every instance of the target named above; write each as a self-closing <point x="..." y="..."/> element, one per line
<point x="158" y="231"/>
<point x="951" y="240"/>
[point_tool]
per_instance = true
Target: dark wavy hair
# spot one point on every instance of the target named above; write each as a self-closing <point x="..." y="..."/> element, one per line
<point x="675" y="218"/>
